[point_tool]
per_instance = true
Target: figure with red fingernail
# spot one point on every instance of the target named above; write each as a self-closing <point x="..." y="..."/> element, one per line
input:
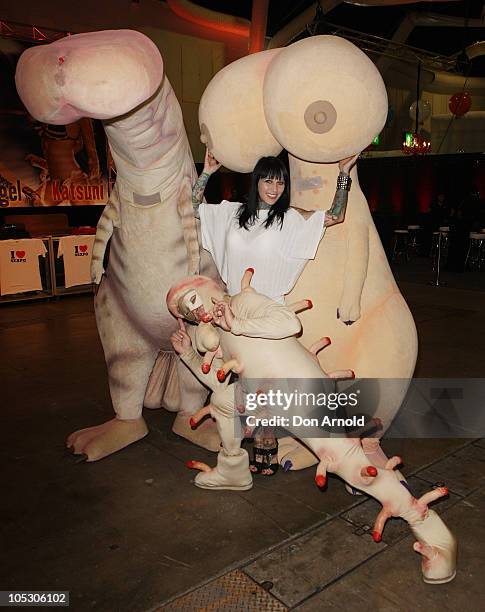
<point x="268" y="234"/>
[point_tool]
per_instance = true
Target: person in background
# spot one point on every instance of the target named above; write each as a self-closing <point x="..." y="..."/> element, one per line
<point x="440" y="212"/>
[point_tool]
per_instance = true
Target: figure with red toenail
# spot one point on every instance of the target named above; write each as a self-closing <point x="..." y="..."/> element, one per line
<point x="253" y="319"/>
<point x="269" y="235"/>
<point x="257" y="339"/>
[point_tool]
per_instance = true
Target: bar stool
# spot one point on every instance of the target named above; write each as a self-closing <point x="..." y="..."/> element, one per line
<point x="476" y="250"/>
<point x="400" y="248"/>
<point x="443" y="235"/>
<point x="413" y="240"/>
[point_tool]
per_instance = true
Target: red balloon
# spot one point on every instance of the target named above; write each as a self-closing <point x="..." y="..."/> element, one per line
<point x="460" y="103"/>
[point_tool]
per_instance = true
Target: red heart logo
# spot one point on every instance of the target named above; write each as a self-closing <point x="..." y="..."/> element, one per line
<point x="83" y="248"/>
<point x="20" y="254"/>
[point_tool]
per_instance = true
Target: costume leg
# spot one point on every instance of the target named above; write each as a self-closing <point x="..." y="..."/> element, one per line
<point x="232" y="469"/>
<point x="130" y="357"/>
<point x="437" y="545"/>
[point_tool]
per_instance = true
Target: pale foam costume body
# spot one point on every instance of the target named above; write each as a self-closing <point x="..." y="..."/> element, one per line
<point x="323" y="100"/>
<point x="149" y="217"/>
<point x="262" y="345"/>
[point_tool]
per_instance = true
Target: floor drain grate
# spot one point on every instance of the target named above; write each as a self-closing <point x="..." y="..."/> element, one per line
<point x="233" y="592"/>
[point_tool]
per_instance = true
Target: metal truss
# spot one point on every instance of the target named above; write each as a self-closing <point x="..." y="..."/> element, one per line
<point x="383" y="47"/>
<point x="367" y="42"/>
<point x="30" y="33"/>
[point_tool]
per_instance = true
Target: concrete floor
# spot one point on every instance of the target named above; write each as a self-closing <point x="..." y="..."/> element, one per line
<point x="131" y="533"/>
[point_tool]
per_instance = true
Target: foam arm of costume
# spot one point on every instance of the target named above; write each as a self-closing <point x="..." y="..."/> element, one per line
<point x="262" y="342"/>
<point x="118" y="77"/>
<point x="322" y="99"/>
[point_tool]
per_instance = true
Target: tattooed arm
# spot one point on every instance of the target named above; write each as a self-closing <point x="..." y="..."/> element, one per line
<point x="211" y="165"/>
<point x="336" y="213"/>
<point x="198" y="192"/>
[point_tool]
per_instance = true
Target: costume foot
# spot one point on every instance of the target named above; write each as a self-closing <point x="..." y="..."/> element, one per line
<point x="205" y="435"/>
<point x="291" y="450"/>
<point x="105" y="439"/>
<point x="437" y="545"/>
<point x="231" y="473"/>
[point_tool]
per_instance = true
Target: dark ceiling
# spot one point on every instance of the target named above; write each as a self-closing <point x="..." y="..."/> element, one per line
<point x="381" y="21"/>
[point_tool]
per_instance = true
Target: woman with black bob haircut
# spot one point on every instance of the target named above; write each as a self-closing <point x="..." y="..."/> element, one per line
<point x="270" y="236"/>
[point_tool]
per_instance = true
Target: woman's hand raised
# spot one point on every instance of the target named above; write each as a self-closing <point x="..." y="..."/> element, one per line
<point x="211" y="164"/>
<point x="345" y="165"/>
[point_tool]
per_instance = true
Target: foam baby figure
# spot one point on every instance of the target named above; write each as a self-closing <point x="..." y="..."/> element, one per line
<point x="193" y="303"/>
<point x="258" y="335"/>
<point x="322" y="99"/>
<point x="191" y="300"/>
<point x="118" y="76"/>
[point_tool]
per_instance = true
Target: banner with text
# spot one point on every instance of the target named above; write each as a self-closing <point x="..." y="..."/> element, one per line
<point x="43" y="164"/>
